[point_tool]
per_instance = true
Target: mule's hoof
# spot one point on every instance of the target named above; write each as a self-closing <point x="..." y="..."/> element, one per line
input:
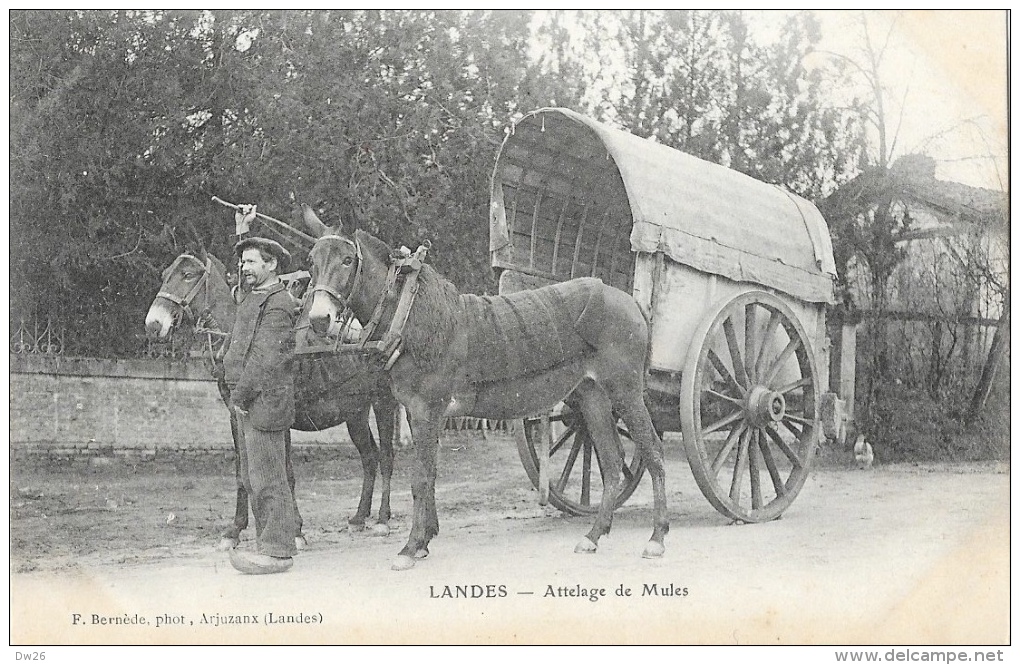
<point x="301" y="543"/>
<point x="585" y="547"/>
<point x="403" y="562"/>
<point x="653" y="550"/>
<point x="226" y="544"/>
<point x="422" y="553"/>
<point x="356" y="525"/>
<point x="380" y="529"/>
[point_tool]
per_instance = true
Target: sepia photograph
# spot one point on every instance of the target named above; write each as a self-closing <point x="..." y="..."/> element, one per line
<point x="548" y="328"/>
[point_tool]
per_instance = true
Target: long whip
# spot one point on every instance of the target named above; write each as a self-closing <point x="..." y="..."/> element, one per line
<point x="284" y="225"/>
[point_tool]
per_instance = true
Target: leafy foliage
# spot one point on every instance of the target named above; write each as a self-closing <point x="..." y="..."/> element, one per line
<point x="125" y="123"/>
<point x="707" y="83"/>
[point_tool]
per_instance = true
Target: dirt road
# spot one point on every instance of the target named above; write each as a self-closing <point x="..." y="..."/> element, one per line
<point x="893" y="555"/>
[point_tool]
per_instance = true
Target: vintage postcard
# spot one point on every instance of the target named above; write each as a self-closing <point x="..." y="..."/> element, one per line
<point x="834" y="471"/>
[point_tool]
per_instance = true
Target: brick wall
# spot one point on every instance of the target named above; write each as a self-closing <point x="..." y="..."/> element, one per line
<point x="78" y="407"/>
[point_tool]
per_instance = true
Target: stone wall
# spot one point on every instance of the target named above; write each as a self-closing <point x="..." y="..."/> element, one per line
<point x="94" y="410"/>
<point x="74" y="407"/>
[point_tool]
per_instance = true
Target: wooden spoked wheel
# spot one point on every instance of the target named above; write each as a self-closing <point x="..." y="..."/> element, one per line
<point x="575" y="476"/>
<point x="749" y="407"/>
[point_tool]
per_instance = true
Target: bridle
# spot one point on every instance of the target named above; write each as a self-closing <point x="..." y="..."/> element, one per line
<point x="402" y="264"/>
<point x="355" y="281"/>
<point x="203" y="319"/>
<point x="184" y="302"/>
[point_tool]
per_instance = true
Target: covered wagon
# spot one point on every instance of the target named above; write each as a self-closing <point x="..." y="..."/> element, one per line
<point x="734" y="276"/>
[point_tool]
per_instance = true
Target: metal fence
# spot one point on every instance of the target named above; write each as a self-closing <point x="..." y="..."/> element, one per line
<point x="48" y="337"/>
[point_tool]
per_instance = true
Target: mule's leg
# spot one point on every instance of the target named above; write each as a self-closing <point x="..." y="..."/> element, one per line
<point x="631" y="408"/>
<point x="426" y="423"/>
<point x="623" y="353"/>
<point x="386" y="416"/>
<point x="361" y="436"/>
<point x="299" y="540"/>
<point x="626" y="390"/>
<point x="597" y="409"/>
<point x="231" y="536"/>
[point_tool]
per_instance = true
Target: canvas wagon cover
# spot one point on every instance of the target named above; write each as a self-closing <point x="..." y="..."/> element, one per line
<point x="699" y="214"/>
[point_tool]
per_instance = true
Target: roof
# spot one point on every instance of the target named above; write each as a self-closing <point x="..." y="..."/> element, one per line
<point x="977" y="205"/>
<point x="957" y="207"/>
<point x="700" y="214"/>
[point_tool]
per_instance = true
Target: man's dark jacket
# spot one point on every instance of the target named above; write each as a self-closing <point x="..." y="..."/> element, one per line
<point x="259" y="364"/>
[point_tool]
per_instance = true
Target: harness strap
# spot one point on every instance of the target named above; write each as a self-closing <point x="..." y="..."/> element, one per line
<point x="172" y="297"/>
<point x="373" y="323"/>
<point x="410" y="268"/>
<point x="203" y="282"/>
<point x="204" y="318"/>
<point x="212" y="353"/>
<point x="184" y="302"/>
<point x="345" y="322"/>
<point x="356" y="281"/>
<point x="407" y="267"/>
<point x="393" y="341"/>
<point x="325" y="288"/>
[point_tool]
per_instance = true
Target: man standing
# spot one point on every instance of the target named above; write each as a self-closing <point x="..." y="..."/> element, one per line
<point x="258" y="368"/>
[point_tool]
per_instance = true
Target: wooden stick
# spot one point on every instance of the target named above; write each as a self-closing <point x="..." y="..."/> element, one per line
<point x="286" y="226"/>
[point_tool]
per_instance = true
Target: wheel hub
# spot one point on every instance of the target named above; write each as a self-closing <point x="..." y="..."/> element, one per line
<point x="765" y="406"/>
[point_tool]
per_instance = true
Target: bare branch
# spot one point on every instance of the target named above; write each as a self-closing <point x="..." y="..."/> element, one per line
<point x="888" y="35"/>
<point x="875" y="62"/>
<point x="396" y="189"/>
<point x="134" y="249"/>
<point x="943" y="132"/>
<point x="899" y="122"/>
<point x="850" y="61"/>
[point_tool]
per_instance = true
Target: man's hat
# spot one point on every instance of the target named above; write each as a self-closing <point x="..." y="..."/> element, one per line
<point x="268" y="246"/>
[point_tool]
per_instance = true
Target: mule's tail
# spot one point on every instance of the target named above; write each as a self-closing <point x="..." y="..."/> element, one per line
<point x="648" y="345"/>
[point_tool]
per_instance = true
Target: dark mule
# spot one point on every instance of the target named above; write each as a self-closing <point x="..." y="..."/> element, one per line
<point x="330" y="389"/>
<point x="500" y="357"/>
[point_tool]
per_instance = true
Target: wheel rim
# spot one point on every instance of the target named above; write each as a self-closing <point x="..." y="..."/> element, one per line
<point x="575" y="477"/>
<point x="749" y="407"/>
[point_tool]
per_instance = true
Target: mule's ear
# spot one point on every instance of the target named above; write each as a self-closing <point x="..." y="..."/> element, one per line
<point x="195" y="240"/>
<point x="377" y="246"/>
<point x="202" y="254"/>
<point x="314" y="224"/>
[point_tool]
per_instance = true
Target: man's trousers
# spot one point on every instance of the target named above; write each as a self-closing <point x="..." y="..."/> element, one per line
<point x="264" y="474"/>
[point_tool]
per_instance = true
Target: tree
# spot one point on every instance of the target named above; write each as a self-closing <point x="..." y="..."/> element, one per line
<point x="84" y="200"/>
<point x="709" y="84"/>
<point x="126" y="123"/>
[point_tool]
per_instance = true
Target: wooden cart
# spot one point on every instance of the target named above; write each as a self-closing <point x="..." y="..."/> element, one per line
<point x="734" y="276"/>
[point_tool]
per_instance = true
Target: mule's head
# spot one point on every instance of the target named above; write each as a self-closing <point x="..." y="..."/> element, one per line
<point x="336" y="265"/>
<point x="183" y="282"/>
